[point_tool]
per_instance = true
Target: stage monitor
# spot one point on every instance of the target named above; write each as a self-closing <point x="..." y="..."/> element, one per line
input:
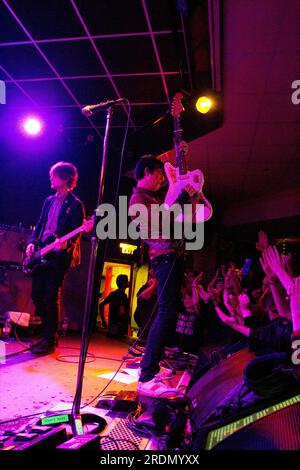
<point x="218" y="434"/>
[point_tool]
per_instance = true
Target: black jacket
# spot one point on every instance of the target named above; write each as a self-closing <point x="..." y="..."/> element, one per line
<point x="70" y="217"/>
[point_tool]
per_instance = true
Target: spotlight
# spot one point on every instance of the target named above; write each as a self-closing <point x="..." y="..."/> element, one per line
<point x="203" y="104"/>
<point x="32" y="126"/>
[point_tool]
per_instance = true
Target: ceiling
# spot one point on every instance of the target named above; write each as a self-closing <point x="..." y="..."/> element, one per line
<point x="59" y="55"/>
<point x="64" y="54"/>
<point x="257" y="150"/>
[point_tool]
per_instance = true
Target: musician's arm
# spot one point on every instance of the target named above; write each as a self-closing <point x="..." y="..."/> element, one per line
<point x="183" y="198"/>
<point x="189" y="196"/>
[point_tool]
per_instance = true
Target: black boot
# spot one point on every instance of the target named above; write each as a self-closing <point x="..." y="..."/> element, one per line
<point x="33" y="345"/>
<point x="45" y="346"/>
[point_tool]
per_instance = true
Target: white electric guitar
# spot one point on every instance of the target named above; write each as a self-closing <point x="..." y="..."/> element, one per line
<point x="180" y="176"/>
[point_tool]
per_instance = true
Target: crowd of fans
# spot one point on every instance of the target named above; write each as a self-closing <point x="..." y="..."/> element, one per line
<point x="230" y="312"/>
<point x="234" y="310"/>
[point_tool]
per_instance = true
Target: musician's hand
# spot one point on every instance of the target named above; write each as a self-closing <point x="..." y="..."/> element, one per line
<point x="30" y="249"/>
<point x="183" y="147"/>
<point x="59" y="245"/>
<point x="190" y="190"/>
<point x="88" y="224"/>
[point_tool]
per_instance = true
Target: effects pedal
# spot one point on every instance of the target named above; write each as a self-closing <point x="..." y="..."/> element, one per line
<point x="33" y="440"/>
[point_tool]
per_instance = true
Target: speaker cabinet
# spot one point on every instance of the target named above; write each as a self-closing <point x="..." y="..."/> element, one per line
<point x="12" y="243"/>
<point x="15" y="292"/>
<point x="74" y="290"/>
<point x="213" y="387"/>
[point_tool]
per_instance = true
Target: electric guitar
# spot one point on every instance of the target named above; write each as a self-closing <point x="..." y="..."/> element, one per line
<point x="38" y="258"/>
<point x="179" y="176"/>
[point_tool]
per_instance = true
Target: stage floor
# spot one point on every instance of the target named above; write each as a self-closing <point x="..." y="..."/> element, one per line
<point x="30" y="383"/>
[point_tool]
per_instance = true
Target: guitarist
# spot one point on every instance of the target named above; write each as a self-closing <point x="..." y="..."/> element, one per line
<point x="167" y="263"/>
<point x="61" y="213"/>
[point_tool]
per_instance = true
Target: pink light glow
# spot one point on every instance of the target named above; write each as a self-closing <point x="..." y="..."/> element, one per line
<point x="32" y="126"/>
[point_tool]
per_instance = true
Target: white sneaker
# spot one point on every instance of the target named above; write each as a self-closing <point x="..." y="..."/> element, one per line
<point x="155" y="388"/>
<point x="164" y="373"/>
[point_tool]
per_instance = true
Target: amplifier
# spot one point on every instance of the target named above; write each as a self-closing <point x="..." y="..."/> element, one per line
<point x="13" y="242"/>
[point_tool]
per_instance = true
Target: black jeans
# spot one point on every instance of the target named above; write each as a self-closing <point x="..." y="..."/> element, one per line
<point x="273" y="337"/>
<point x="47" y="282"/>
<point x="168" y="270"/>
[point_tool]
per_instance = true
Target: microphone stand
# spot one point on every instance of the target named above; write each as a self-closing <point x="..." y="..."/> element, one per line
<point x="76" y="421"/>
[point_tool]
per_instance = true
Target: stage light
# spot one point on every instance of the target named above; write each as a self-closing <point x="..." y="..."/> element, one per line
<point x="32" y="126"/>
<point x="203" y="104"/>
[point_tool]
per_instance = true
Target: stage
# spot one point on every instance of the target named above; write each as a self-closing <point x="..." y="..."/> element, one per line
<point x="30" y="383"/>
<point x="35" y="386"/>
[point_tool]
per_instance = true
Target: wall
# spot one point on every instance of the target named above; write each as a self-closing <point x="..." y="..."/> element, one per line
<point x="280" y="205"/>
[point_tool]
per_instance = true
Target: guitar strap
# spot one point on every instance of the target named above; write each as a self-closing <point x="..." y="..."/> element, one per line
<point x="63" y="215"/>
<point x="74" y="248"/>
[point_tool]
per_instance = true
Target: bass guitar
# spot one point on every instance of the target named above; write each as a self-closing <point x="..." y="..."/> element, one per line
<point x="39" y="257"/>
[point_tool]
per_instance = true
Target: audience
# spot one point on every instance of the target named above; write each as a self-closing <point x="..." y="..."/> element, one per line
<point x="267" y="318"/>
<point x="118" y="319"/>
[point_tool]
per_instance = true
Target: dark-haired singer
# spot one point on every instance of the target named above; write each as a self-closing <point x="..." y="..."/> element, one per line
<point x="167" y="264"/>
<point x="61" y="213"/>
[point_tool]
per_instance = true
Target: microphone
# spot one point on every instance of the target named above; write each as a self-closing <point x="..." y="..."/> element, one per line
<point x="92" y="108"/>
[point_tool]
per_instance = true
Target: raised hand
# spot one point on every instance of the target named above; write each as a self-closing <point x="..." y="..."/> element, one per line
<point x="272" y="257"/>
<point x="244" y="303"/>
<point x="295" y="303"/>
<point x="244" y="300"/>
<point x="287" y="259"/>
<point x="295" y="296"/>
<point x="266" y="267"/>
<point x="263" y="242"/>
<point x="222" y="270"/>
<point x="197" y="279"/>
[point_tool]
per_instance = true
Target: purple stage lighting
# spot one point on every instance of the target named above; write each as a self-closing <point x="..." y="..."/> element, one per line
<point x="32" y="126"/>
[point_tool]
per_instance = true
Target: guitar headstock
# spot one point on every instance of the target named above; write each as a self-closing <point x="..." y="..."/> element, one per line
<point x="177" y="106"/>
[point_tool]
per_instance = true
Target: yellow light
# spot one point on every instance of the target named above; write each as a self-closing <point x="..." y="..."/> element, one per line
<point x="203" y="104"/>
<point x="127" y="249"/>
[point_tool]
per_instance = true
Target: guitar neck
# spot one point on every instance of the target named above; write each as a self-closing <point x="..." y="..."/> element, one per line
<point x="178" y="138"/>
<point x="44" y="251"/>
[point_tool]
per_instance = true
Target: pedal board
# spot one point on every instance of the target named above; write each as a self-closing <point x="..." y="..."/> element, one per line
<point x="33" y="440"/>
